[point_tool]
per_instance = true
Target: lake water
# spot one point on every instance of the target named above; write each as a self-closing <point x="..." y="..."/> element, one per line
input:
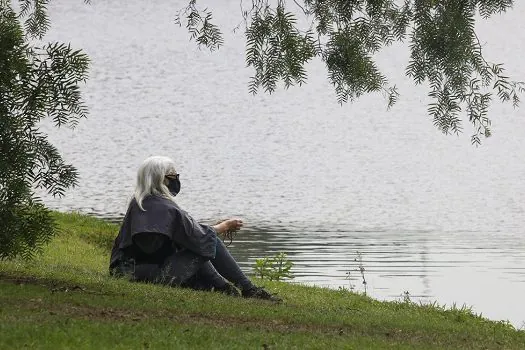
<point x="427" y="213"/>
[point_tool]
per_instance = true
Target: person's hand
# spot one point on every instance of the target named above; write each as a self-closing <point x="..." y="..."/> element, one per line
<point x="230" y="225"/>
<point x="233" y="224"/>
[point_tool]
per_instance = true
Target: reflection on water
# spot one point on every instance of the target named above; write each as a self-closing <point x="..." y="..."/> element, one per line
<point x="429" y="265"/>
<point x="429" y="214"/>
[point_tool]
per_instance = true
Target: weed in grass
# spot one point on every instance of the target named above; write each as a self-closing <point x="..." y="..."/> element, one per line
<point x="275" y="268"/>
<point x="360" y="269"/>
<point x="348" y="277"/>
<point x="406" y="297"/>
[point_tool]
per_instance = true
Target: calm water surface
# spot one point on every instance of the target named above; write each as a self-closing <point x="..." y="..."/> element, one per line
<point x="427" y="213"/>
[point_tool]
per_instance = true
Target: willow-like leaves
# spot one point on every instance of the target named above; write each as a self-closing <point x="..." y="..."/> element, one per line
<point x="36" y="82"/>
<point x="445" y="52"/>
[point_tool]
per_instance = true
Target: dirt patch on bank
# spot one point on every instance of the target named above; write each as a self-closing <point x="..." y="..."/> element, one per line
<point x="221" y="321"/>
<point x="101" y="313"/>
<point x="80" y="308"/>
<point x="54" y="286"/>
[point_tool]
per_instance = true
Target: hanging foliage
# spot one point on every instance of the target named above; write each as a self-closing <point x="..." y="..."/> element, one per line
<point x="36" y="82"/>
<point x="445" y="52"/>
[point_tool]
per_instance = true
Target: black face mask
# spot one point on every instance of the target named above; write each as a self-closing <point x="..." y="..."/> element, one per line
<point x="174" y="186"/>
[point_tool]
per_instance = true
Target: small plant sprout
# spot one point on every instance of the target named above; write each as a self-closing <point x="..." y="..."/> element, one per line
<point x="275" y="268"/>
<point x="349" y="278"/>
<point x="361" y="269"/>
<point x="406" y="297"/>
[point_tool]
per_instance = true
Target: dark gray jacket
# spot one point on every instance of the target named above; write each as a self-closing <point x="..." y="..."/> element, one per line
<point x="162" y="221"/>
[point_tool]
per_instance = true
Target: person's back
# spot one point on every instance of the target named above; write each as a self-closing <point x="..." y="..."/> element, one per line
<point x="151" y="233"/>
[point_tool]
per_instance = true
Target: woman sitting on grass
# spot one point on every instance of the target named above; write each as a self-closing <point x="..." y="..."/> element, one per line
<point x="159" y="242"/>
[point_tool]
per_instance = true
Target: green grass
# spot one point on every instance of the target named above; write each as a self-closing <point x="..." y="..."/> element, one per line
<point x="65" y="299"/>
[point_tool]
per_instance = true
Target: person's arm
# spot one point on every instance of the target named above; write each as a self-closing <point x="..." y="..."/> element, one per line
<point x="228" y="225"/>
<point x="188" y="233"/>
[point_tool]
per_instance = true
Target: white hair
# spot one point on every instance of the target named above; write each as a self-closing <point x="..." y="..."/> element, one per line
<point x="150" y="178"/>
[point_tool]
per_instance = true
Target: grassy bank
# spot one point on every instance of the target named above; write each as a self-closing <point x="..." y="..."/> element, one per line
<point x="64" y="299"/>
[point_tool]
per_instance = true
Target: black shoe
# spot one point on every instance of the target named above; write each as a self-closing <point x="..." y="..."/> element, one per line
<point x="260" y="293"/>
<point x="228" y="289"/>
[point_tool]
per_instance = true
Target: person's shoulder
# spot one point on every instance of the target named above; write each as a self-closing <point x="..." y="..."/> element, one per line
<point x="160" y="203"/>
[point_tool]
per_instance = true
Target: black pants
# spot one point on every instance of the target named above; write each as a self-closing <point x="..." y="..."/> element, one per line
<point x="187" y="269"/>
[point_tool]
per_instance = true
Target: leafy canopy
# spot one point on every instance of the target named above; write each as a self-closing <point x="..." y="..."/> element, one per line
<point x="445" y="52"/>
<point x="36" y="82"/>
